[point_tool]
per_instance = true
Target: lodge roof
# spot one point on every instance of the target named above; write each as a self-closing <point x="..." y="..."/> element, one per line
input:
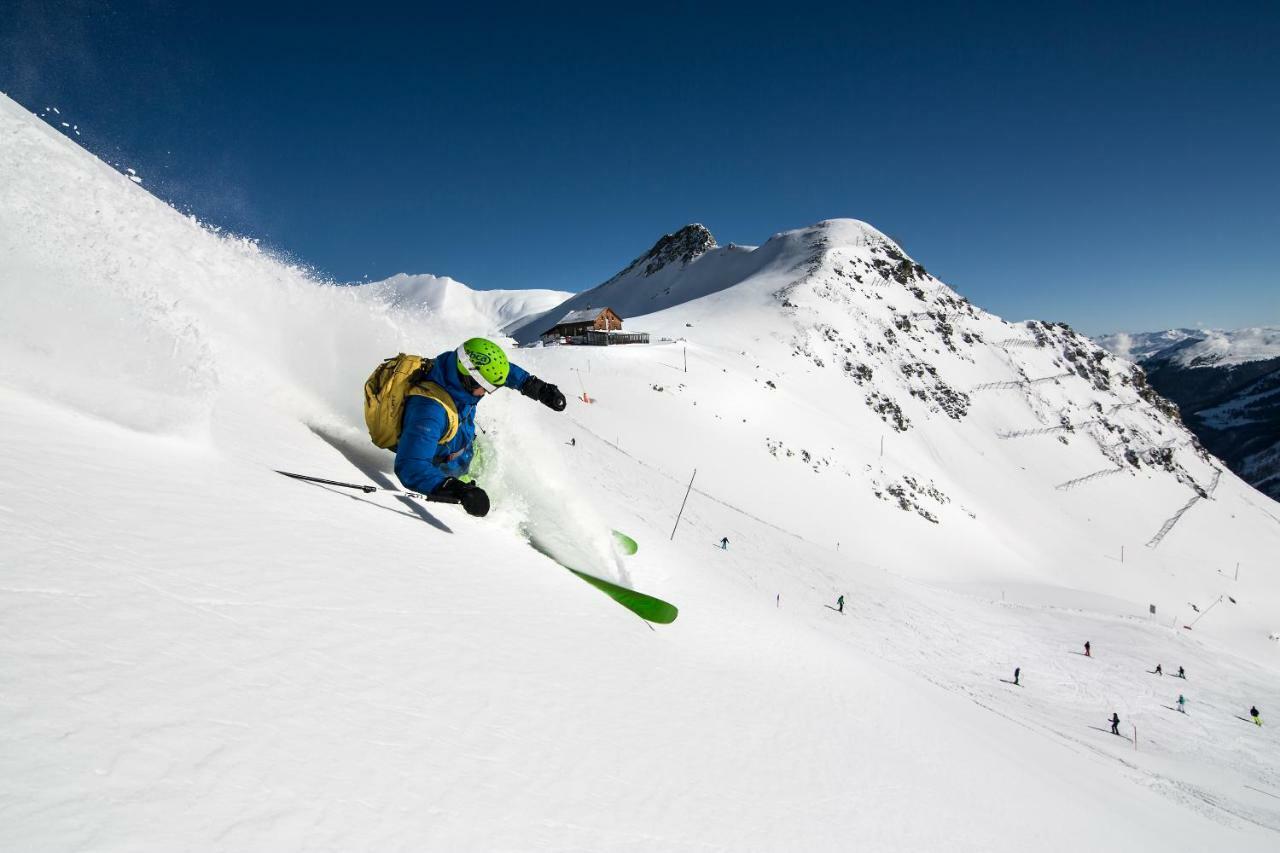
<point x="582" y="315"/>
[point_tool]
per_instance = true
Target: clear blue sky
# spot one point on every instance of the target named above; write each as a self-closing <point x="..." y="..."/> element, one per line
<point x="1113" y="165"/>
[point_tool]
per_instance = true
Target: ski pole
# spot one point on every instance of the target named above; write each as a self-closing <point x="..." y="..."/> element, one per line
<point x="367" y="489"/>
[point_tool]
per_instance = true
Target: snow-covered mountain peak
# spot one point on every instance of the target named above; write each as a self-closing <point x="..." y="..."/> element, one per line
<point x="690" y="242"/>
<point x="484" y="310"/>
<point x="689" y="265"/>
<point x="852" y="233"/>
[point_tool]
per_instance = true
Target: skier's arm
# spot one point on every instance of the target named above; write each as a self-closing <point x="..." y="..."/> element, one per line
<point x="516" y="375"/>
<point x="425" y="423"/>
<point x="534" y="388"/>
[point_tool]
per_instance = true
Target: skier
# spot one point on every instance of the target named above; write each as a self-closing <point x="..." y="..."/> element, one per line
<point x="435" y="442"/>
<point x="724" y="544"/>
<point x="1182" y="673"/>
<point x="573" y="442"/>
<point x="840" y="604"/>
<point x="1253" y="712"/>
<point x="1159" y="671"/>
<point x="1115" y="723"/>
<point x="1182" y="704"/>
<point x="1017" y="674"/>
<point x="1087" y="652"/>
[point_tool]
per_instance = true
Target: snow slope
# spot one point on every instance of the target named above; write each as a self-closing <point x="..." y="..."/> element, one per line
<point x="488" y="310"/>
<point x="201" y="654"/>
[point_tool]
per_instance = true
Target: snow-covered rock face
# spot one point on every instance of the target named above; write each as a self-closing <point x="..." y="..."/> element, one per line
<point x="682" y="247"/>
<point x="919" y="352"/>
<point x="879" y="333"/>
<point x="1227" y="384"/>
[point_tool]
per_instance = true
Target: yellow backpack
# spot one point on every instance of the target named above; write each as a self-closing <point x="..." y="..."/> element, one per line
<point x="395" y="380"/>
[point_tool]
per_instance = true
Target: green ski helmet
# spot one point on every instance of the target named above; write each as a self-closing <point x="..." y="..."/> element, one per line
<point x="485" y="362"/>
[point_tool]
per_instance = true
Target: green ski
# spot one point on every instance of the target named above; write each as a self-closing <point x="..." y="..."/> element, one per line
<point x="645" y="606"/>
<point x="625" y="543"/>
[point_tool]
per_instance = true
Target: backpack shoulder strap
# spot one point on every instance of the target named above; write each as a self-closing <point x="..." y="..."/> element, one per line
<point x="432" y="391"/>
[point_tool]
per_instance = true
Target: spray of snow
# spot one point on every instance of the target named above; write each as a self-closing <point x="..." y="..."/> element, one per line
<point x="544" y="500"/>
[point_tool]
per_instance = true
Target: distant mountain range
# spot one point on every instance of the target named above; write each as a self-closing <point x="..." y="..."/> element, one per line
<point x="1227" y="386"/>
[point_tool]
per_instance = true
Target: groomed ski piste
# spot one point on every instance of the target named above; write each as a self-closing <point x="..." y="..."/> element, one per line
<point x="200" y="654"/>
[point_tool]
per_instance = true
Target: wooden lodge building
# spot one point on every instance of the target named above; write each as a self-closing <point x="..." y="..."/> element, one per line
<point x="593" y="327"/>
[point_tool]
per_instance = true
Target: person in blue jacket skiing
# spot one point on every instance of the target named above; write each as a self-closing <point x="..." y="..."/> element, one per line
<point x="436" y="444"/>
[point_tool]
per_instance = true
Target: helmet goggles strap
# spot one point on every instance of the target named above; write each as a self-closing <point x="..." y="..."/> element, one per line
<point x="464" y="358"/>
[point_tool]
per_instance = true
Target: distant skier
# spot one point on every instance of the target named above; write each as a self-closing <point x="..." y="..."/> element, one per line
<point x="1257" y="718"/>
<point x="573" y="442"/>
<point x="1159" y="671"/>
<point x="1017" y="674"/>
<point x="724" y="543"/>
<point x="840" y="604"/>
<point x="1182" y="673"/>
<point x="1115" y="723"/>
<point x="424" y="410"/>
<point x="1182" y="704"/>
<point x="1087" y="649"/>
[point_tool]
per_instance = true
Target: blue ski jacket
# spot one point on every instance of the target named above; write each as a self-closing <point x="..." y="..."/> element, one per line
<point x="422" y="462"/>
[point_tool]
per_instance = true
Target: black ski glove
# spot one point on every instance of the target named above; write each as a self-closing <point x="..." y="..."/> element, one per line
<point x="472" y="497"/>
<point x="544" y="392"/>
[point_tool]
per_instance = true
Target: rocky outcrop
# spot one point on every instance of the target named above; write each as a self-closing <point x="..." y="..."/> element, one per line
<point x="681" y="247"/>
